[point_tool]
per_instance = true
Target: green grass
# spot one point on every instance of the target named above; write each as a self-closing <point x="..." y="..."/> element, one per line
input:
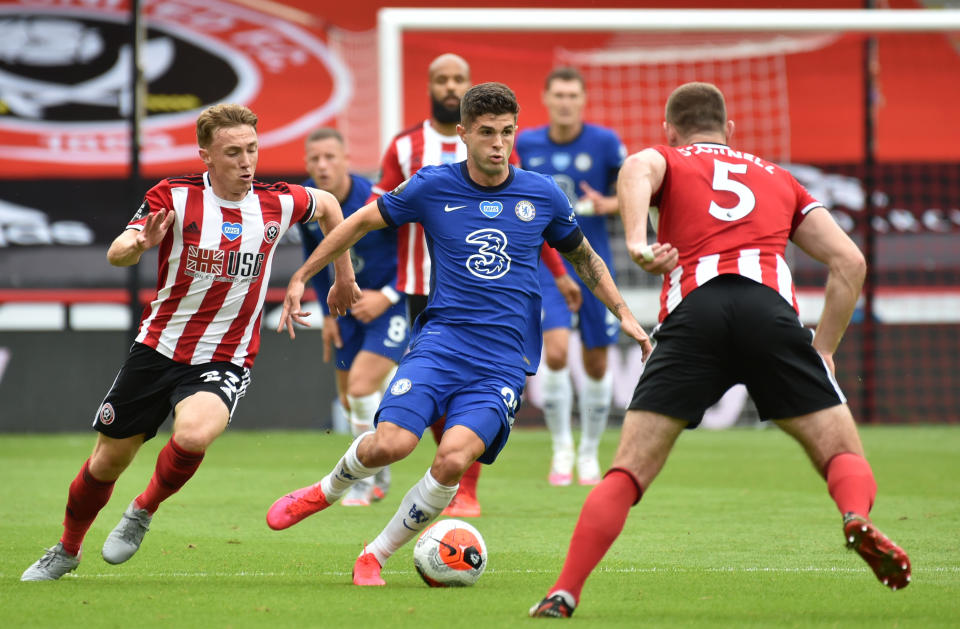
<point x="738" y="531"/>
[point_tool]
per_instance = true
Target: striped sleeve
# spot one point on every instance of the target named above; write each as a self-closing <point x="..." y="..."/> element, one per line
<point x="305" y="202"/>
<point x="156" y="199"/>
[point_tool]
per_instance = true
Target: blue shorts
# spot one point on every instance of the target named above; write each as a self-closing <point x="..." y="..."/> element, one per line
<point x="598" y="326"/>
<point x="433" y="381"/>
<point x="387" y="335"/>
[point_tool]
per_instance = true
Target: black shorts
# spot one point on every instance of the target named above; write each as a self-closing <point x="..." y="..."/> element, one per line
<point x="149" y="385"/>
<point x="733" y="330"/>
<point x="415" y="305"/>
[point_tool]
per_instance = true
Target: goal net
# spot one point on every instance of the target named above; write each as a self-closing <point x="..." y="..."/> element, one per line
<point x="629" y="80"/>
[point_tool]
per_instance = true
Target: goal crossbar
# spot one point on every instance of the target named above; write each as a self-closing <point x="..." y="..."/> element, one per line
<point x="392" y="22"/>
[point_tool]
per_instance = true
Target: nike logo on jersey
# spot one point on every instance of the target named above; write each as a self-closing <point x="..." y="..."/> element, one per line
<point x="536" y="161"/>
<point x="448" y="208"/>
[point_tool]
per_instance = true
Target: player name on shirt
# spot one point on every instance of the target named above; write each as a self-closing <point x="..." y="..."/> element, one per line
<point x="726" y="151"/>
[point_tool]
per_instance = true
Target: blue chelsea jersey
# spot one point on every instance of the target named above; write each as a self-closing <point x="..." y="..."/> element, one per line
<point x="484" y="244"/>
<point x="595" y="157"/>
<point x="374" y="256"/>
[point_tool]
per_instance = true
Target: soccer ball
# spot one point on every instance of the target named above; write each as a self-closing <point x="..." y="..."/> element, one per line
<point x="450" y="553"/>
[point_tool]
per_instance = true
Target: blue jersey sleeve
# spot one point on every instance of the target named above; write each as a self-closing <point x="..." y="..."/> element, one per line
<point x="399" y="206"/>
<point x="562" y="232"/>
<point x="320" y="281"/>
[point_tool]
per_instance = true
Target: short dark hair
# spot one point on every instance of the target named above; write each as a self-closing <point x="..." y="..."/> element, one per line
<point x="222" y="116"/>
<point x="324" y="133"/>
<point x="487" y="98"/>
<point x="564" y="73"/>
<point x="696" y="107"/>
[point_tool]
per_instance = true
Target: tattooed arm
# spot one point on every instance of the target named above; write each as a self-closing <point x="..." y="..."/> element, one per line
<point x="594" y="273"/>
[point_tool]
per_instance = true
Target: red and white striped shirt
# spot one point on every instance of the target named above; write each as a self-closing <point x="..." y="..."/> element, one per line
<point x="727" y="212"/>
<point x="214" y="266"/>
<point x="410" y="150"/>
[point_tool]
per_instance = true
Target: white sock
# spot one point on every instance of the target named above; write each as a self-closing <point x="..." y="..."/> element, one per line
<point x="594" y="408"/>
<point x="348" y="471"/>
<point x="421" y="506"/>
<point x="338" y="417"/>
<point x="363" y="408"/>
<point x="557" y="406"/>
<point x="362" y="411"/>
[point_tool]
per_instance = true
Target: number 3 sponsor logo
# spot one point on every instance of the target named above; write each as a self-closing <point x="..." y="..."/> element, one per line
<point x="491" y="260"/>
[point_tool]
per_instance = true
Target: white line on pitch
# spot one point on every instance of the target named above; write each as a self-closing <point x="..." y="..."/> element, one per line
<point x="652" y="570"/>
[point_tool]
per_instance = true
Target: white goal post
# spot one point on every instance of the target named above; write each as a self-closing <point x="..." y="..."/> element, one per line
<point x="393" y="22"/>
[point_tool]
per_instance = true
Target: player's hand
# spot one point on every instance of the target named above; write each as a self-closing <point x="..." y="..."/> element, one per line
<point x="601" y="204"/>
<point x="291" y="308"/>
<point x="570" y="290"/>
<point x="331" y="337"/>
<point x="658" y="258"/>
<point x="155" y="228"/>
<point x="632" y="328"/>
<point x="372" y="304"/>
<point x="342" y="296"/>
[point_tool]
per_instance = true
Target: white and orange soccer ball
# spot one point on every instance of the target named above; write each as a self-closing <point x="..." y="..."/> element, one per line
<point x="450" y="553"/>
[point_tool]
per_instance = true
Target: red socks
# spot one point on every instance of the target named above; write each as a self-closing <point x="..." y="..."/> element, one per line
<point x="851" y="483"/>
<point x="86" y="497"/>
<point x="605" y="511"/>
<point x="601" y="519"/>
<point x="174" y="468"/>
<point x="468" y="483"/>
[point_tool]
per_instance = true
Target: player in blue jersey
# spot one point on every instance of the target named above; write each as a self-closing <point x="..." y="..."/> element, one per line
<point x="479" y="336"/>
<point x="370" y="339"/>
<point x="584" y="160"/>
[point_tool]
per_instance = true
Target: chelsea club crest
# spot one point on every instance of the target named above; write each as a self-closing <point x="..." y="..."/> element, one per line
<point x="525" y="211"/>
<point x="401" y="386"/>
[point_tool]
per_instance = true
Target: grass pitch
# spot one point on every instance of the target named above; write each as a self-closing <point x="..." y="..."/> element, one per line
<point x="738" y="531"/>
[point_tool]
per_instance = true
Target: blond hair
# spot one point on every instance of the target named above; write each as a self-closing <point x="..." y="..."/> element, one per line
<point x="222" y="116"/>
